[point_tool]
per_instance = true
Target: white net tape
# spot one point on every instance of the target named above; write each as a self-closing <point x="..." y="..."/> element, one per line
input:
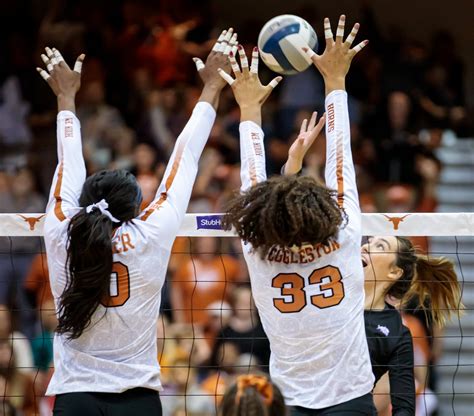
<point x="199" y="225"/>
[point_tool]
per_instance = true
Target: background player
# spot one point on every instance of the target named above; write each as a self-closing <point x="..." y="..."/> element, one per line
<point x="107" y="262"/>
<point x="304" y="265"/>
<point x="253" y="395"/>
<point x="393" y="269"/>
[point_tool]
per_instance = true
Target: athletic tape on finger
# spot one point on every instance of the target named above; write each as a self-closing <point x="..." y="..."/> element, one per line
<point x="226" y="76"/>
<point x="43" y="74"/>
<point x="228" y="35"/>
<point x="233" y="40"/>
<point x="254" y="64"/>
<point x="234" y="64"/>
<point x="327" y="30"/>
<point x="199" y="64"/>
<point x="359" y="47"/>
<point x="216" y="47"/>
<point x="309" y="52"/>
<point x="340" y="27"/>
<point x="78" y="66"/>
<point x="244" y="63"/>
<point x="274" y="82"/>
<point x="49" y="52"/>
<point x="45" y="59"/>
<point x="58" y="56"/>
<point x="352" y="35"/>
<point x="227" y="49"/>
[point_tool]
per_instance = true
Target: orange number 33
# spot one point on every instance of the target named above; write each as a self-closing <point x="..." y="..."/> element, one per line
<point x="292" y="285"/>
<point x="122" y="278"/>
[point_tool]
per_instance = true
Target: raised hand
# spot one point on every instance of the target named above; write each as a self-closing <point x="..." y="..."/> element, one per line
<point x="218" y="58"/>
<point x="336" y="59"/>
<point x="306" y="137"/>
<point x="64" y="81"/>
<point x="249" y="92"/>
<point x="61" y="79"/>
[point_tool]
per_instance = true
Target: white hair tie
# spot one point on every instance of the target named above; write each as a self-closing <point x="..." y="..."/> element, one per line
<point x="102" y="207"/>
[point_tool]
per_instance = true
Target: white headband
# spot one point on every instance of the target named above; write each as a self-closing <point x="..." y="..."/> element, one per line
<point x="102" y="207"/>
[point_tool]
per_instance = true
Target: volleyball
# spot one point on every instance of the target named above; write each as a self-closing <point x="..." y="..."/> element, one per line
<point x="281" y="41"/>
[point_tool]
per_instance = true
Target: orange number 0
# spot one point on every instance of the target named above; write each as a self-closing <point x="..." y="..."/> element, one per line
<point x="123" y="287"/>
<point x="292" y="285"/>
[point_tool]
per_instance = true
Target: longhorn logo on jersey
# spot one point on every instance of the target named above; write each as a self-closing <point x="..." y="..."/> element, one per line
<point x="396" y="220"/>
<point x="32" y="221"/>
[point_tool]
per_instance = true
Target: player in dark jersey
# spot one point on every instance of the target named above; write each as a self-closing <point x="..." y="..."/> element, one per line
<point x="393" y="268"/>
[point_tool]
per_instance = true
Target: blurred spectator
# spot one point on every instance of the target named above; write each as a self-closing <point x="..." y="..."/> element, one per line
<point x="37" y="287"/>
<point x="19" y="390"/>
<point x="100" y="123"/>
<point x="244" y="328"/>
<point x="183" y="392"/>
<point x="205" y="278"/>
<point x="21" y="345"/>
<point x="42" y="345"/>
<point x="15" y="134"/>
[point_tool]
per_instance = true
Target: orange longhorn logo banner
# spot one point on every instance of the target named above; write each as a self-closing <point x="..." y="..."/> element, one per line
<point x="396" y="220"/>
<point x="32" y="221"/>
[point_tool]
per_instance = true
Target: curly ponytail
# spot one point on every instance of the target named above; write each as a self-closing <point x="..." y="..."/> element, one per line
<point x="89" y="251"/>
<point x="432" y="280"/>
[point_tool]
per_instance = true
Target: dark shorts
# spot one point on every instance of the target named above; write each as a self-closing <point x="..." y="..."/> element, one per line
<point x="361" y="406"/>
<point x="135" y="402"/>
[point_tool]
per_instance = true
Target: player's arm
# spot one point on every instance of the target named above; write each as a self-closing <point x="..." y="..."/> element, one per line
<point x="169" y="206"/>
<point x="334" y="65"/>
<point x="70" y="172"/>
<point x="401" y="376"/>
<point x="250" y="95"/>
<point x="301" y="145"/>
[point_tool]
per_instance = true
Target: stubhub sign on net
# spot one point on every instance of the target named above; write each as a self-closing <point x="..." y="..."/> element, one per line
<point x="209" y="222"/>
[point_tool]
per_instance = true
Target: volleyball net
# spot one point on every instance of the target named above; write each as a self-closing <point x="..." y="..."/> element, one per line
<point x="208" y="329"/>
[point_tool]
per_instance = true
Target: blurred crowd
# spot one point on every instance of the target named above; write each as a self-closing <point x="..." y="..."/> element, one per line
<point x="139" y="87"/>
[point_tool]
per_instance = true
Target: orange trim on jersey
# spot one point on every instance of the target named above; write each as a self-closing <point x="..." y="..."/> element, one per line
<point x="57" y="195"/>
<point x="339" y="169"/>
<point x="168" y="183"/>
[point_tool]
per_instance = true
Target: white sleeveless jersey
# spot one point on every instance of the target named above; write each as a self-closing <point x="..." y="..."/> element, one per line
<point x="311" y="301"/>
<point x="118" y="350"/>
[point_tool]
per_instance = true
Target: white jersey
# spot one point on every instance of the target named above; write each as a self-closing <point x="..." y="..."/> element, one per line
<point x="311" y="302"/>
<point x="118" y="350"/>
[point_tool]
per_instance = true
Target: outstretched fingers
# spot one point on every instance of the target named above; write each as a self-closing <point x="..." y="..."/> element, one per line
<point x="199" y="64"/>
<point x="311" y="54"/>
<point x="340" y="29"/>
<point x="43" y="74"/>
<point x="274" y="82"/>
<point x="304" y="126"/>
<point x="234" y="65"/>
<point x="78" y="63"/>
<point x="312" y="121"/>
<point x="255" y="59"/>
<point x="227" y="78"/>
<point x="244" y="63"/>
<point x="356" y="49"/>
<point x="352" y="35"/>
<point x="328" y="32"/>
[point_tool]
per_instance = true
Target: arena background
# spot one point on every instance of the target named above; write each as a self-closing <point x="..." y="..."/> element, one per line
<point x="412" y="102"/>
